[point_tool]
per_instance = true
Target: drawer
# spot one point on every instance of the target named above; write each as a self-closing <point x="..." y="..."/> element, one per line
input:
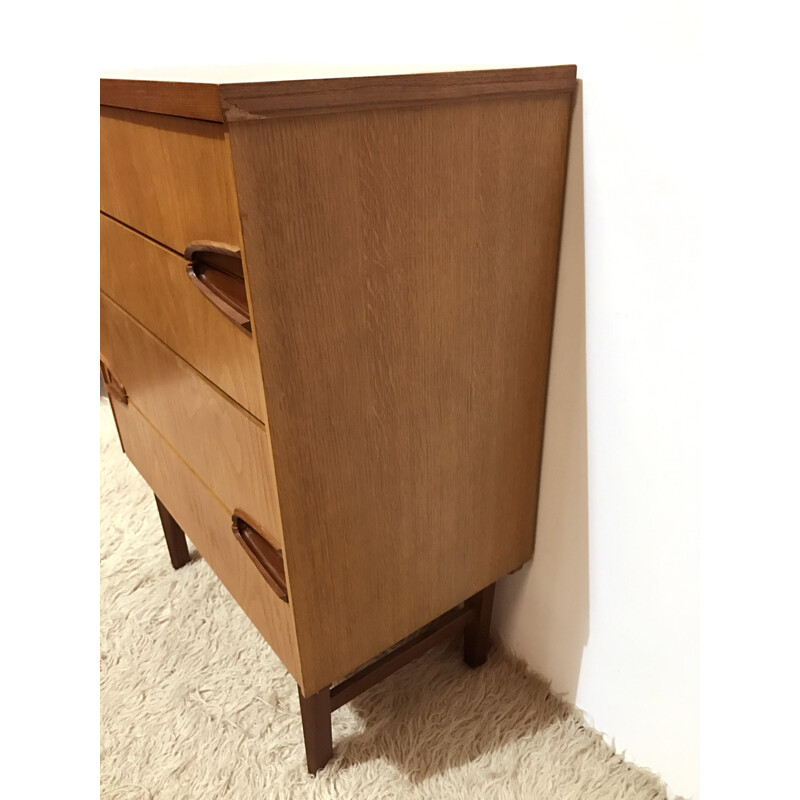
<point x="151" y="283"/>
<point x="168" y="177"/>
<point x="207" y="522"/>
<point x="227" y="448"/>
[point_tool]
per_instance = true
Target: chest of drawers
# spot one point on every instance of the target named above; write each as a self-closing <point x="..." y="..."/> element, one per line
<point x="326" y="312"/>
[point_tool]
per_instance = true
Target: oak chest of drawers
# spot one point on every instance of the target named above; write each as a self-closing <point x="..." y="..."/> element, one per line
<point x="326" y="312"/>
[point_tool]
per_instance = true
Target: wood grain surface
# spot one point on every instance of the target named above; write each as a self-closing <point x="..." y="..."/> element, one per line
<point x="167" y="177"/>
<point x="402" y="267"/>
<point x="207" y="523"/>
<point x="248" y="101"/>
<point x="195" y="100"/>
<point x="262" y="91"/>
<point x="150" y="283"/>
<point x="224" y="445"/>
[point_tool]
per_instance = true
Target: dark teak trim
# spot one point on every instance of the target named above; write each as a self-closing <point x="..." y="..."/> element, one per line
<point x="193" y="100"/>
<point x="216" y="270"/>
<point x="236" y="102"/>
<point x="476" y="636"/>
<point x="315" y="711"/>
<point x="113" y="387"/>
<point x="175" y="537"/>
<point x="267" y="558"/>
<point x="248" y="101"/>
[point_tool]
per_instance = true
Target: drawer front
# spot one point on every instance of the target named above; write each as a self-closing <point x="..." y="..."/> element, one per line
<point x="207" y="523"/>
<point x="151" y="283"/>
<point x="168" y="177"/>
<point x="227" y="448"/>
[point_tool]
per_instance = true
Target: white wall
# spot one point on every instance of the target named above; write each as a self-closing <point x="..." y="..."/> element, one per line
<point x="608" y="608"/>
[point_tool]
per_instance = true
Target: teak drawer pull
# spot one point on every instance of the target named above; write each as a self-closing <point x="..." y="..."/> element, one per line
<point x="216" y="270"/>
<point x="267" y="558"/>
<point x="113" y="386"/>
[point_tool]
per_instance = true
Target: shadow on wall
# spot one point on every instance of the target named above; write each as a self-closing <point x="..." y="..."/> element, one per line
<point x="542" y="611"/>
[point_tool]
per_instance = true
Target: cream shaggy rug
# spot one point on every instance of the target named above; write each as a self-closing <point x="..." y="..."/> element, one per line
<point x="195" y="705"/>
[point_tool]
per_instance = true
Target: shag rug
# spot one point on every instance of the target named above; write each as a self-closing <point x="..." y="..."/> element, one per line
<point x="195" y="705"/>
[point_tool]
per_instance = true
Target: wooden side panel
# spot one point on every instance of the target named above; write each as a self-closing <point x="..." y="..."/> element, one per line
<point x="167" y="177"/>
<point x="150" y="282"/>
<point x="226" y="447"/>
<point x="207" y="522"/>
<point x="402" y="267"/>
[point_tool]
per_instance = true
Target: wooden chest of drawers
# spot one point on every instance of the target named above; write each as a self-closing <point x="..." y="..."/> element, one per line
<point x="326" y="312"/>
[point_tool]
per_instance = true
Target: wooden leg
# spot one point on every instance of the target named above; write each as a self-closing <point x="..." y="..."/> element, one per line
<point x="316" y="714"/>
<point x="176" y="539"/>
<point x="476" y="634"/>
<point x="474" y="618"/>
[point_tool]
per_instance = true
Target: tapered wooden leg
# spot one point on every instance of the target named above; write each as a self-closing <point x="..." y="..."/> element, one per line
<point x="315" y="712"/>
<point x="476" y="634"/>
<point x="176" y="539"/>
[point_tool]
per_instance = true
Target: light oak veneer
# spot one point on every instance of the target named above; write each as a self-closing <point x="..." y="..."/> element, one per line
<point x="406" y="291"/>
<point x="167" y="177"/>
<point x="228" y="448"/>
<point x="151" y="283"/>
<point x="198" y="510"/>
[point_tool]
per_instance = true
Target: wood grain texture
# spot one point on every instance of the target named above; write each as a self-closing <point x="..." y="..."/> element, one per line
<point x="402" y="267"/>
<point x="150" y="283"/>
<point x="167" y="177"/>
<point x="195" y="100"/>
<point x="259" y="92"/>
<point x="227" y="448"/>
<point x="248" y="101"/>
<point x="207" y="523"/>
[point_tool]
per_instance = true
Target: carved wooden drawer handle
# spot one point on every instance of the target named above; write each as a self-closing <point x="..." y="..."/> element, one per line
<point x="114" y="388"/>
<point x="267" y="558"/>
<point x="216" y="270"/>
